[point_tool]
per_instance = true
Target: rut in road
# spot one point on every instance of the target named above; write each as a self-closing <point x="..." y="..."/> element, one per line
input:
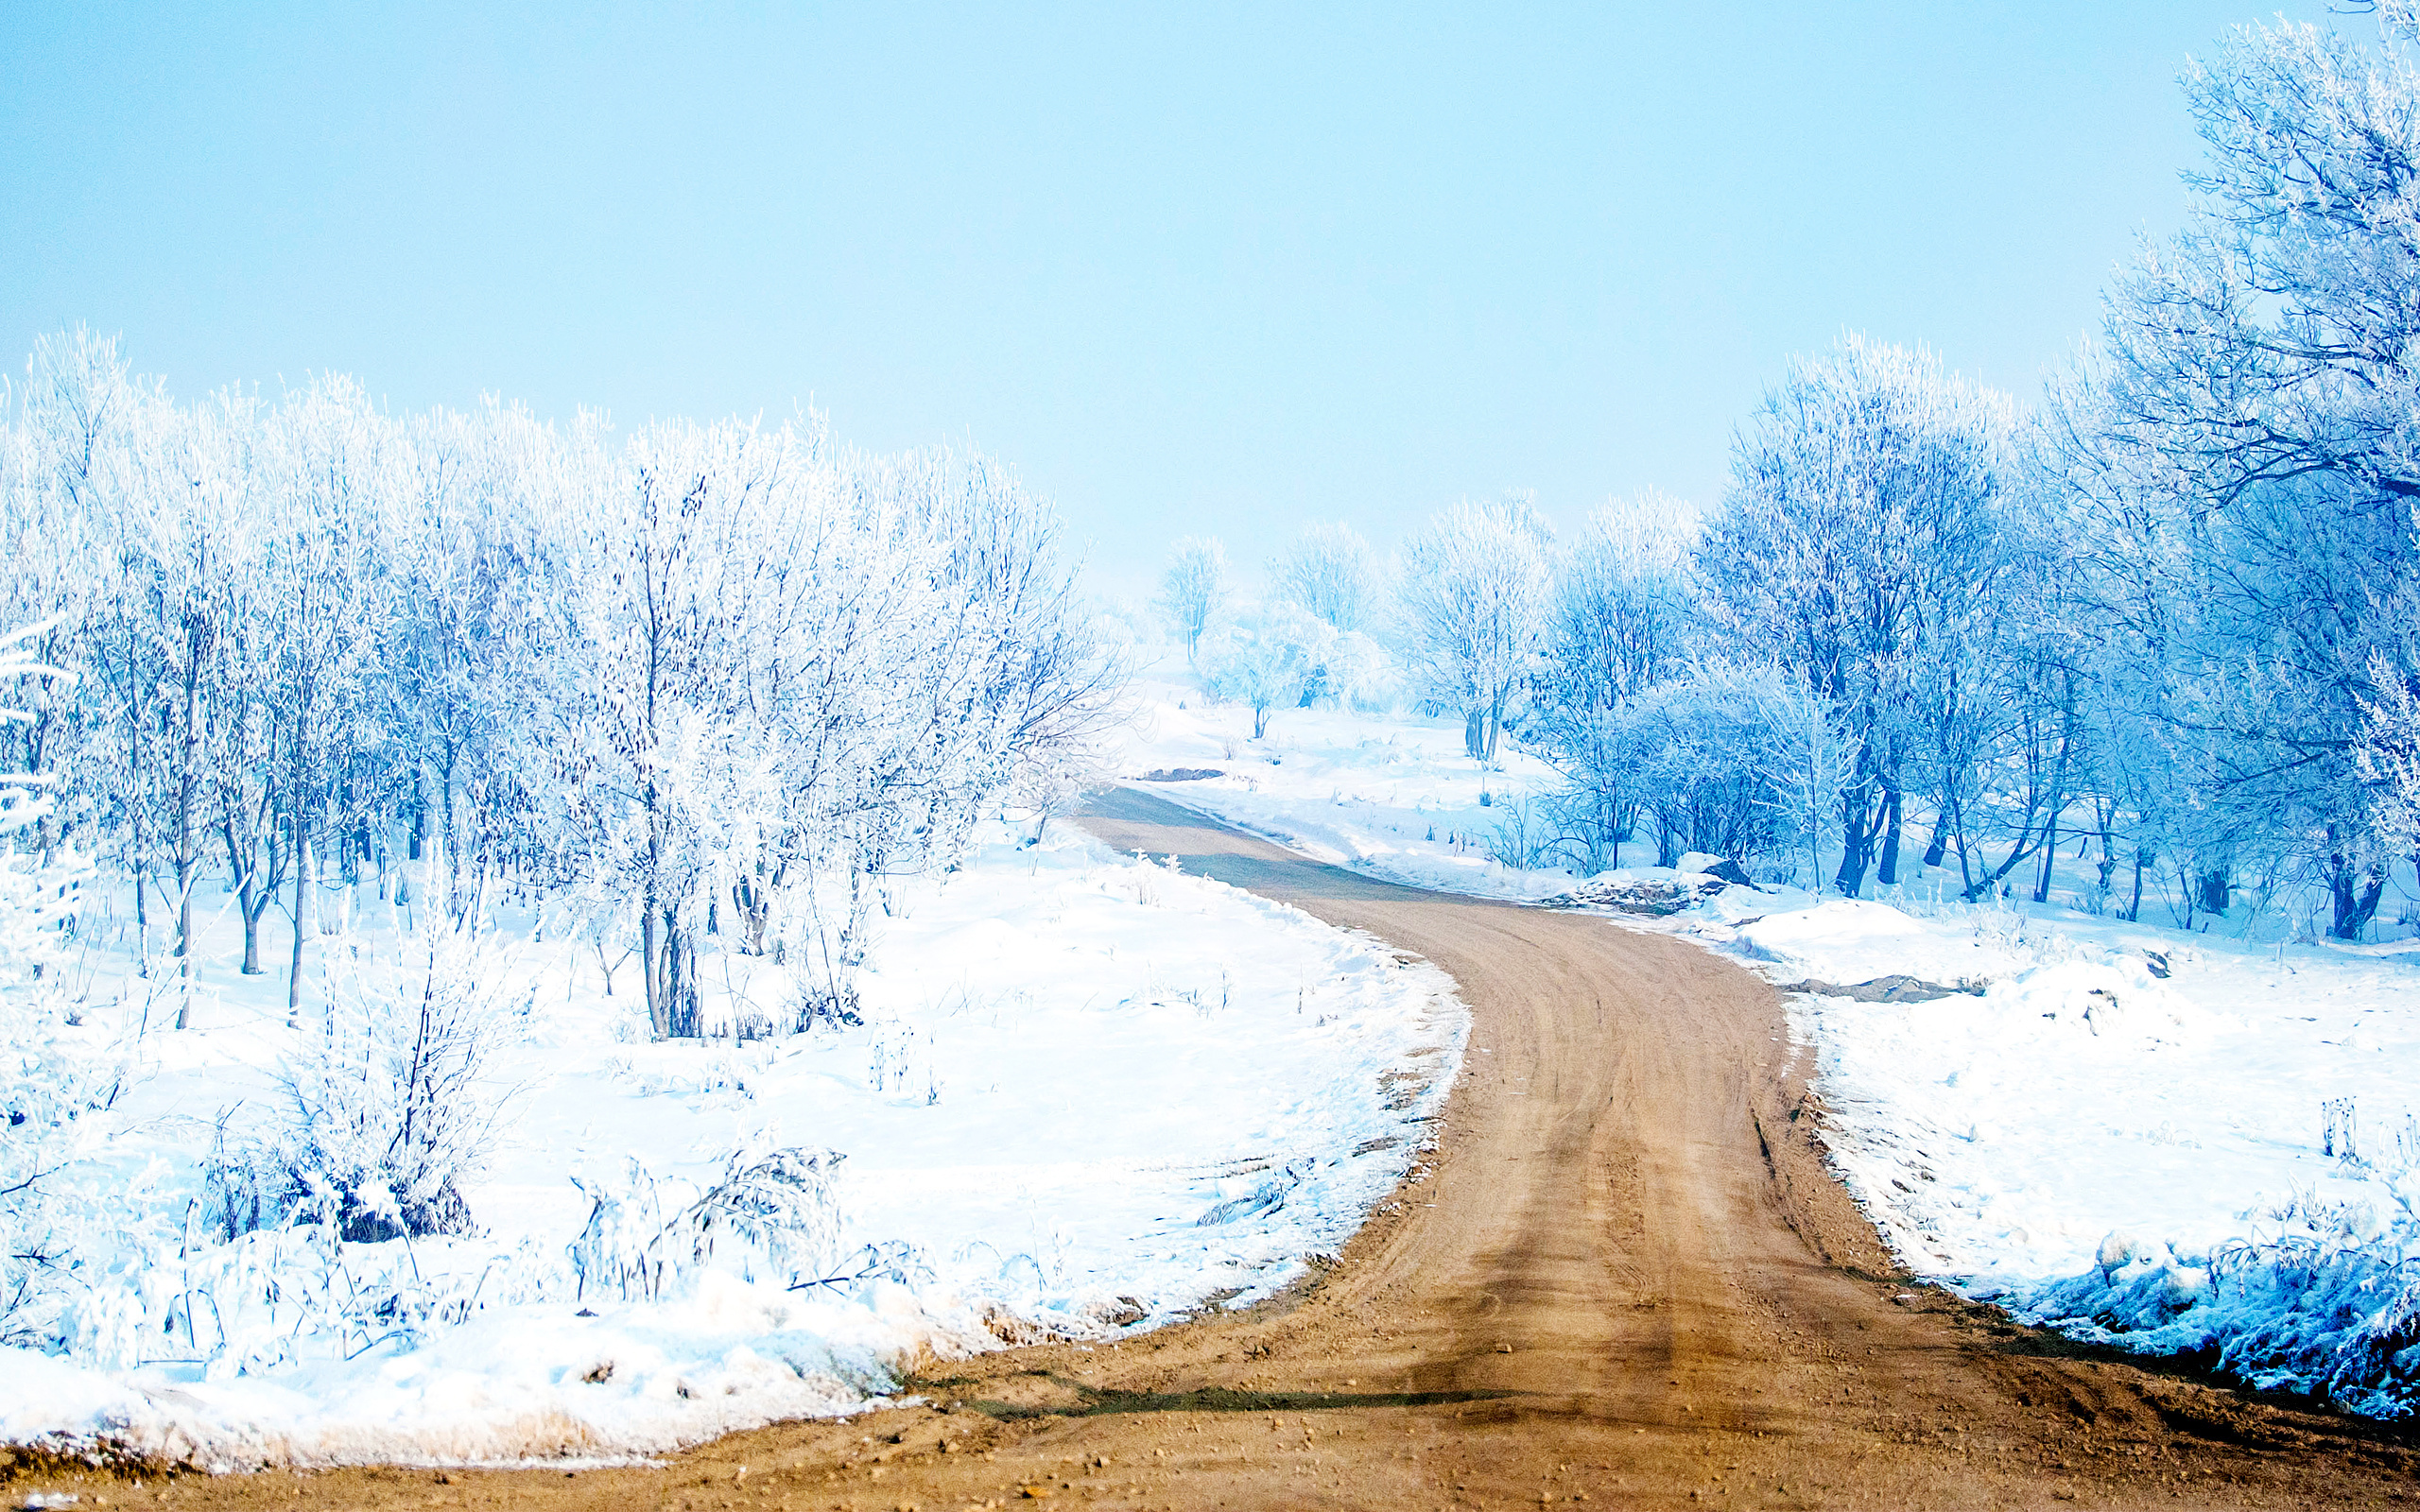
<point x="1627" y="1278"/>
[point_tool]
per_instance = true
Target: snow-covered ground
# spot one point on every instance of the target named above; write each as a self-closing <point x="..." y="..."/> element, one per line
<point x="1393" y="796"/>
<point x="1090" y="1094"/>
<point x="2121" y="1130"/>
<point x="2125" y="1134"/>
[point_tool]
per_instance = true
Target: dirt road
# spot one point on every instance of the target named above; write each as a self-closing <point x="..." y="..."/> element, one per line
<point x="1627" y="1280"/>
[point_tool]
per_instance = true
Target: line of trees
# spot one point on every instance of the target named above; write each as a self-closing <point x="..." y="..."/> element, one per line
<point x="703" y="681"/>
<point x="2165" y="617"/>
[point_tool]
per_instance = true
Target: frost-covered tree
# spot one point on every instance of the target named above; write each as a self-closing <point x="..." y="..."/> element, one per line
<point x="2239" y="460"/>
<point x="1193" y="590"/>
<point x="1715" y="760"/>
<point x="713" y="685"/>
<point x="1861" y="530"/>
<point x="465" y="650"/>
<point x="52" y="1076"/>
<point x="1475" y="592"/>
<point x="1622" y="621"/>
<point x="329" y="611"/>
<point x="1329" y="574"/>
<point x="671" y="573"/>
<point x="1269" y="665"/>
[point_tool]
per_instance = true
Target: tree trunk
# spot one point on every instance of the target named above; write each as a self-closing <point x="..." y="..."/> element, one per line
<point x="184" y="925"/>
<point x="1858" y="824"/>
<point x="141" y="922"/>
<point x="659" y="1021"/>
<point x="1474" y="734"/>
<point x="1937" y="849"/>
<point x="2353" y="892"/>
<point x="419" y="818"/>
<point x="1888" y="874"/>
<point x="453" y="851"/>
<point x="2050" y="854"/>
<point x="301" y="896"/>
<point x="689" y="1005"/>
<point x="675" y="982"/>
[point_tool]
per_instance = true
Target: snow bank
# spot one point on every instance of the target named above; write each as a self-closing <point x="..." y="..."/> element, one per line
<point x="2118" y="1130"/>
<point x="1089" y="1095"/>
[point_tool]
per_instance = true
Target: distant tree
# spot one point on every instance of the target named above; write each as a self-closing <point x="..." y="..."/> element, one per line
<point x="1193" y="590"/>
<point x="1475" y="590"/>
<point x="1328" y="572"/>
<point x="1269" y="664"/>
<point x="1621" y="623"/>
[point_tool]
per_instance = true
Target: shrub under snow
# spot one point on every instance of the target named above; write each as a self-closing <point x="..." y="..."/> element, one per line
<point x="386" y="1112"/>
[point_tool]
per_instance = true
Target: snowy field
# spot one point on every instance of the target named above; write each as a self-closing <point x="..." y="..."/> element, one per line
<point x="1391" y="796"/>
<point x="1089" y="1096"/>
<point x="2121" y="1130"/>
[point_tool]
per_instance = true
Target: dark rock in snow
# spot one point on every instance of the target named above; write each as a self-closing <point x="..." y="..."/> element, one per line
<point x="1731" y="873"/>
<point x="1649" y="896"/>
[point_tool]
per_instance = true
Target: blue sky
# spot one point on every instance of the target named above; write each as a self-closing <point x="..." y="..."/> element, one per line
<point x="1214" y="269"/>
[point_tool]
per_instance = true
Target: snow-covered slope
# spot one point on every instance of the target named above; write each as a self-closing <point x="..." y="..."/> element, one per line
<point x="1089" y="1093"/>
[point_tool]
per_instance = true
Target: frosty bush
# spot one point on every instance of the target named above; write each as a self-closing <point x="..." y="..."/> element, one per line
<point x="388" y="1112"/>
<point x="2307" y="1313"/>
<point x="273" y="1296"/>
<point x="54" y="1078"/>
<point x="774" y="1218"/>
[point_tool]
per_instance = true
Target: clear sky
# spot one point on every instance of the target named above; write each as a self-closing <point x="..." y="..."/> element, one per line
<point x="1223" y="268"/>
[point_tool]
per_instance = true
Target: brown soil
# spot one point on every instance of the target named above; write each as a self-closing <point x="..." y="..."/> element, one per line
<point x="1623" y="1276"/>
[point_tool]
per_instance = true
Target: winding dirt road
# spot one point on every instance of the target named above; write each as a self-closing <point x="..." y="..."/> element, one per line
<point x="1627" y="1280"/>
